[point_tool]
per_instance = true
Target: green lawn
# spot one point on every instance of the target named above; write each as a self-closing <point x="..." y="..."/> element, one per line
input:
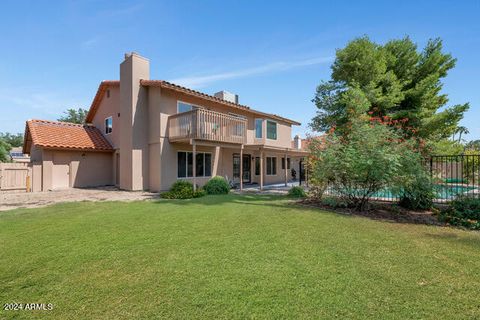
<point x="232" y="257"/>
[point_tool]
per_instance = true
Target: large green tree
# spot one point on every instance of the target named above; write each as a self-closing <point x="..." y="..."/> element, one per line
<point x="4" y="151"/>
<point x="394" y="80"/>
<point x="74" y="116"/>
<point x="15" y="140"/>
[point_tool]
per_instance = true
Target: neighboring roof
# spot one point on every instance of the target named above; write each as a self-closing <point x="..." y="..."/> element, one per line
<point x="305" y="143"/>
<point x="102" y="88"/>
<point x="167" y="85"/>
<point x="16" y="150"/>
<point x="63" y="135"/>
<point x="171" y="86"/>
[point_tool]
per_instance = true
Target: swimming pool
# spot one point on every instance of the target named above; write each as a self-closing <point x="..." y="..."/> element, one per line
<point x="443" y="192"/>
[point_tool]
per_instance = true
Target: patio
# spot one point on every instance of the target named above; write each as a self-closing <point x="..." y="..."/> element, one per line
<point x="276" y="188"/>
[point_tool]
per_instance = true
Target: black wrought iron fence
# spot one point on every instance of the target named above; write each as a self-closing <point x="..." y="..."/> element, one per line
<point x="452" y="176"/>
<point x="455" y="175"/>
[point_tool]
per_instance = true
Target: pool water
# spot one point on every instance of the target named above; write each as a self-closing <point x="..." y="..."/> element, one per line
<point x="443" y="191"/>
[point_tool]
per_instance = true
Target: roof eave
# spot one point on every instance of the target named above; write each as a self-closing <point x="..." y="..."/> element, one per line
<point x="98" y="98"/>
<point x="201" y="95"/>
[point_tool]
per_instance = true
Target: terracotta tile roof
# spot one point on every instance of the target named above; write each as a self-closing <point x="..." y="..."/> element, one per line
<point x="171" y="86"/>
<point x="64" y="135"/>
<point x="102" y="88"/>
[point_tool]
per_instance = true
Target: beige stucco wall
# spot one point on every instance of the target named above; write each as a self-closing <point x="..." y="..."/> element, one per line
<point x="169" y="169"/>
<point x="109" y="107"/>
<point x="134" y="148"/>
<point x="84" y="169"/>
<point x="163" y="154"/>
<point x="36" y="177"/>
<point x="227" y="166"/>
<point x="147" y="160"/>
<point x="166" y="103"/>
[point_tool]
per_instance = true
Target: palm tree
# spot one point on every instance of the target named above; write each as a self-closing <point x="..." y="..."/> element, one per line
<point x="462" y="130"/>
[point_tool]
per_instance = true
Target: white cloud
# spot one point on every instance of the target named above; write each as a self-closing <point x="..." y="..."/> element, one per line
<point x="112" y="13"/>
<point x="201" y="81"/>
<point x="89" y="43"/>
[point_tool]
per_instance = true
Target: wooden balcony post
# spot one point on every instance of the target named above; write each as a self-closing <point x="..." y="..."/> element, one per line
<point x="194" y="169"/>
<point x="261" y="170"/>
<point x="286" y="175"/>
<point x="241" y="168"/>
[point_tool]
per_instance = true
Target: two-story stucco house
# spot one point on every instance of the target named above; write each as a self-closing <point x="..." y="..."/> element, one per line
<point x="144" y="134"/>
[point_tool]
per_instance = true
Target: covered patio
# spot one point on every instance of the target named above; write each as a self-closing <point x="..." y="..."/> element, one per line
<point x="256" y="166"/>
<point x="274" y="188"/>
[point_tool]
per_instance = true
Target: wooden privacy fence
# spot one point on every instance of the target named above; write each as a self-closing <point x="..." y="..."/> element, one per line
<point x="15" y="176"/>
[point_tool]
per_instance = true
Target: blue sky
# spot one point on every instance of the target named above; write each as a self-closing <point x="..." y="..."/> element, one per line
<point x="273" y="54"/>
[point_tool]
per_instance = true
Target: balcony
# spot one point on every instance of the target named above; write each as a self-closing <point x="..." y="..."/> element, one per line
<point x="201" y="124"/>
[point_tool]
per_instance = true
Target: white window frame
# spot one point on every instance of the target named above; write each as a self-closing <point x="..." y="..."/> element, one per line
<point x="266" y="129"/>
<point x="191" y="104"/>
<point x="261" y="120"/>
<point x="105" y="125"/>
<point x="266" y="166"/>
<point x="186" y="168"/>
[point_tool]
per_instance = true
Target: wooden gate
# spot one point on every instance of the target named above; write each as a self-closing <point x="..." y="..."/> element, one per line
<point x="13" y="176"/>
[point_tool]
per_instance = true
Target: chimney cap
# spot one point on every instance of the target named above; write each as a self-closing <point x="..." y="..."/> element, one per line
<point x="227" y="96"/>
<point x="134" y="53"/>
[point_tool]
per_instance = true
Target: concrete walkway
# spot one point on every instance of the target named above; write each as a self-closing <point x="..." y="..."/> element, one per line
<point x="278" y="188"/>
<point x="14" y="200"/>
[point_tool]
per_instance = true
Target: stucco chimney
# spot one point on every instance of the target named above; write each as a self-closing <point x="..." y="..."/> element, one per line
<point x="227" y="96"/>
<point x="297" y="142"/>
<point x="134" y="122"/>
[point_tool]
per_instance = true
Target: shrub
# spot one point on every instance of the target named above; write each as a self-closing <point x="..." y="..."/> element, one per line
<point x="367" y="159"/>
<point x="334" y="202"/>
<point x="418" y="194"/>
<point x="417" y="197"/>
<point x="297" y="192"/>
<point x="217" y="185"/>
<point x="200" y="192"/>
<point x="316" y="188"/>
<point x="182" y="189"/>
<point x="463" y="211"/>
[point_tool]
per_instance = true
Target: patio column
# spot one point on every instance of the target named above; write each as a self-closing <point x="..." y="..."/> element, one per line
<point x="261" y="170"/>
<point x="286" y="175"/>
<point x="306" y="173"/>
<point x="241" y="168"/>
<point x="194" y="169"/>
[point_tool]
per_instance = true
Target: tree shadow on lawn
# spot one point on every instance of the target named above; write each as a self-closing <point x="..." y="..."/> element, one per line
<point x="280" y="201"/>
<point x="471" y="238"/>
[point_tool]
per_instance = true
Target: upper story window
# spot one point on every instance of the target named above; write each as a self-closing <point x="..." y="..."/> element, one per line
<point x="185" y="107"/>
<point x="108" y="125"/>
<point x="258" y="128"/>
<point x="271" y="130"/>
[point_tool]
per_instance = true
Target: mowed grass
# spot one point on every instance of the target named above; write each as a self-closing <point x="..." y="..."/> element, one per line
<point x="232" y="257"/>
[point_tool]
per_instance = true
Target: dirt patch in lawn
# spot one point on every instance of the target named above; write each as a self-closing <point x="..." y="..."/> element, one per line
<point x="383" y="211"/>
<point x="14" y="200"/>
